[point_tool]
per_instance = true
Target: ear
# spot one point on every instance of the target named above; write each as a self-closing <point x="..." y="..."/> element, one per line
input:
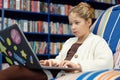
<point x="89" y="22"/>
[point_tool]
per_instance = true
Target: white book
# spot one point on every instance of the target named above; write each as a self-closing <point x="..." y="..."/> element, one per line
<point x="62" y="9"/>
<point x="45" y="26"/>
<point x="25" y="25"/>
<point x="5" y="3"/>
<point x="17" y="4"/>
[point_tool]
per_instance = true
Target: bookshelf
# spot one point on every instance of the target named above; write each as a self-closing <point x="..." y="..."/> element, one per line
<point x="47" y="17"/>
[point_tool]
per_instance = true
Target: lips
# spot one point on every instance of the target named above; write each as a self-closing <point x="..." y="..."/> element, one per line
<point x="74" y="32"/>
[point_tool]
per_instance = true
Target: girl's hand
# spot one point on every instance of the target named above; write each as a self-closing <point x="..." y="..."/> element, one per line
<point x="66" y="63"/>
<point x="50" y="62"/>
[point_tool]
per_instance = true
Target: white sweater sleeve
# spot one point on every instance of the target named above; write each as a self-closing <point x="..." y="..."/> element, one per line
<point x="102" y="58"/>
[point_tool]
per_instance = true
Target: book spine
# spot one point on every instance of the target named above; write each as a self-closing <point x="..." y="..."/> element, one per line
<point x="17" y="4"/>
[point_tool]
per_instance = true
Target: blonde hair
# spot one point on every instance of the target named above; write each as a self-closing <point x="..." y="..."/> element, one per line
<point x="84" y="10"/>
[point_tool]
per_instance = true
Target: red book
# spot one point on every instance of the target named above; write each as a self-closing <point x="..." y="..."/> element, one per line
<point x="39" y="26"/>
<point x="60" y="28"/>
<point x="32" y="6"/>
<point x="8" y="3"/>
<point x="0" y="4"/>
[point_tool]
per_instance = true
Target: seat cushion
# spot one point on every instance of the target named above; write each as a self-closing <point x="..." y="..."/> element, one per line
<point x="100" y="75"/>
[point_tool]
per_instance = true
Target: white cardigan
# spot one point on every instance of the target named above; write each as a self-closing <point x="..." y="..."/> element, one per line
<point x="93" y="54"/>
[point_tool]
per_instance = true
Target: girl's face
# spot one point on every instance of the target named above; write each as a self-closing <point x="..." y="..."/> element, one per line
<point x="79" y="26"/>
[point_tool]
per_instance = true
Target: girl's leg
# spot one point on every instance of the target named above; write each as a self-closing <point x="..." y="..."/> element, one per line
<point x="21" y="73"/>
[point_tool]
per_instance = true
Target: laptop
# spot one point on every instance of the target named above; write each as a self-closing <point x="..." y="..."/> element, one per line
<point x="17" y="51"/>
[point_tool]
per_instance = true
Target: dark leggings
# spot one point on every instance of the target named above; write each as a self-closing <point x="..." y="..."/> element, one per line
<point x="21" y="73"/>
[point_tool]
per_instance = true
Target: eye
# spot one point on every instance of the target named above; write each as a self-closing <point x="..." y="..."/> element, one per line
<point x="77" y="22"/>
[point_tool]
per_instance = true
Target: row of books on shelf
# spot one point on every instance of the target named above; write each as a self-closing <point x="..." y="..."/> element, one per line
<point x="34" y="5"/>
<point x="42" y="47"/>
<point x="28" y="26"/>
<point x="106" y="1"/>
<point x="60" y="28"/>
<point x="39" y="26"/>
<point x="26" y="5"/>
<point x="64" y="10"/>
<point x="60" y="9"/>
<point x="37" y="6"/>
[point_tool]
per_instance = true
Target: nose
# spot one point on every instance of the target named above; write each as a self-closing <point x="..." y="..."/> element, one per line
<point x="72" y="27"/>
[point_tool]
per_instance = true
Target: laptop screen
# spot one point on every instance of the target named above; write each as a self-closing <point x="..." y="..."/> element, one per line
<point x="16" y="49"/>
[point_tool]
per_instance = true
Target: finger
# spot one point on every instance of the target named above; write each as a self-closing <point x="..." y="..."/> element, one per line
<point x="66" y="65"/>
<point x="41" y="61"/>
<point x="50" y="62"/>
<point x="69" y="64"/>
<point x="44" y="62"/>
<point x="62" y="63"/>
